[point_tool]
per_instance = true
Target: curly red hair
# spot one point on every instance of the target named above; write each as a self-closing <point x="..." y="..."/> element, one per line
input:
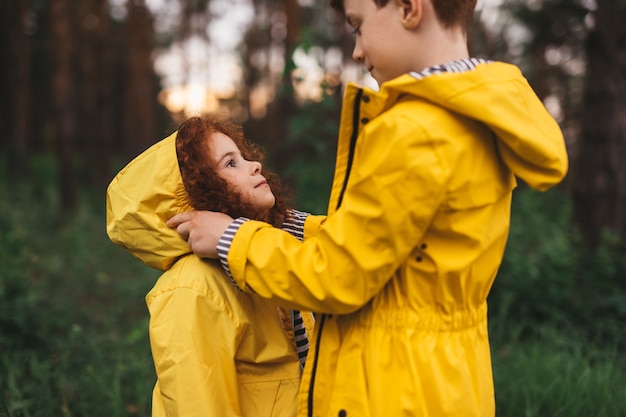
<point x="206" y="189"/>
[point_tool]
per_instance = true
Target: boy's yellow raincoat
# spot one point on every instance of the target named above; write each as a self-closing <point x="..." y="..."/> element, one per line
<point x="417" y="226"/>
<point x="218" y="352"/>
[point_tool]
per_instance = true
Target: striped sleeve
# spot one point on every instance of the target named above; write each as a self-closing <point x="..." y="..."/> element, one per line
<point x="224" y="243"/>
<point x="294" y="224"/>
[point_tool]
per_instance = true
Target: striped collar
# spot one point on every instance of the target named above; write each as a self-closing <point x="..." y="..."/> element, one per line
<point x="461" y="65"/>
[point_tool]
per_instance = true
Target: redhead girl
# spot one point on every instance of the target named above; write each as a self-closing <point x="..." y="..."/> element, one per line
<point x="217" y="351"/>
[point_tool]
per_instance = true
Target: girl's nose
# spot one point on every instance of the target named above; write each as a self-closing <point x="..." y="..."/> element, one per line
<point x="256" y="167"/>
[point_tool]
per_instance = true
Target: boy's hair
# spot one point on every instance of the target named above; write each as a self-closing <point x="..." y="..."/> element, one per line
<point x="451" y="13"/>
<point x="206" y="189"/>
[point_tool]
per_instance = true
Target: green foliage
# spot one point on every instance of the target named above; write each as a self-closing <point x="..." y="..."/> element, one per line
<point x="557" y="375"/>
<point x="556" y="316"/>
<point x="313" y="136"/>
<point x="548" y="276"/>
<point x="73" y="322"/>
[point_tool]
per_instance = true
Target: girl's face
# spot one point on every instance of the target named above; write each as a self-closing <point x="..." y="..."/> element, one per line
<point x="244" y="177"/>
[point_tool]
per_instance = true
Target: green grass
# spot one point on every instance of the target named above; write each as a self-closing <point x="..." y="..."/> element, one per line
<point x="73" y="321"/>
<point x="556" y="317"/>
<point x="559" y="376"/>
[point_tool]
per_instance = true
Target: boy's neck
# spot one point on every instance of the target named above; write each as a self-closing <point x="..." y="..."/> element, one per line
<point x="433" y="44"/>
<point x="451" y="45"/>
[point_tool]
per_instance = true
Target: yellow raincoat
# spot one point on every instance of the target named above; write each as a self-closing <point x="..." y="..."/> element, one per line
<point x="218" y="352"/>
<point x="417" y="226"/>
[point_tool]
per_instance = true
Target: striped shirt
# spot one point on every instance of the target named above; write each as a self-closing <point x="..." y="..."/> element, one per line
<point x="294" y="224"/>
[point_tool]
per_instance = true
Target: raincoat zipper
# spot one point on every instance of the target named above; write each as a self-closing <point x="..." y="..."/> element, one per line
<point x="355" y="133"/>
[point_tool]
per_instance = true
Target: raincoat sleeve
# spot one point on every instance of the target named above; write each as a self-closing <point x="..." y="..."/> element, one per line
<point x="388" y="204"/>
<point x="193" y="345"/>
<point x="312" y="225"/>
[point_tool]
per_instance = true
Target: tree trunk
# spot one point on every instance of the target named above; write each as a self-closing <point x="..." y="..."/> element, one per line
<point x="599" y="183"/>
<point x="96" y="66"/>
<point x="139" y="115"/>
<point x="16" y="79"/>
<point x="62" y="49"/>
<point x="281" y="112"/>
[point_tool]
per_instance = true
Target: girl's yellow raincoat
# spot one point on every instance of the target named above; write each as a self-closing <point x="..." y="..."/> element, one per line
<point x="417" y="226"/>
<point x="218" y="352"/>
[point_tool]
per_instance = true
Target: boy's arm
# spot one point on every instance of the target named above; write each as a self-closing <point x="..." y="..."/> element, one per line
<point x="390" y="199"/>
<point x="312" y="225"/>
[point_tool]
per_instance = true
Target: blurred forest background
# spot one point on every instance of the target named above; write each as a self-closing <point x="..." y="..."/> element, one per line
<point x="87" y="85"/>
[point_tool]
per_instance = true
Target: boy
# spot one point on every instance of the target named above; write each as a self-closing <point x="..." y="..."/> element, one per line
<point x="417" y="223"/>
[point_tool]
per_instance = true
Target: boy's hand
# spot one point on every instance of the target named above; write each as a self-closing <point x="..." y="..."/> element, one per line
<point x="201" y="230"/>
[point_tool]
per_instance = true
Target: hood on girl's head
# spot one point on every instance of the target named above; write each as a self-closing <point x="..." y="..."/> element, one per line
<point x="141" y="198"/>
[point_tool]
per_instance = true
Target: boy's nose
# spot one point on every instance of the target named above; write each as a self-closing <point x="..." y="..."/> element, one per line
<point x="357" y="53"/>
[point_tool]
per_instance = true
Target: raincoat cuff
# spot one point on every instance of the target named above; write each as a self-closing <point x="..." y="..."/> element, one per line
<point x="224" y="243"/>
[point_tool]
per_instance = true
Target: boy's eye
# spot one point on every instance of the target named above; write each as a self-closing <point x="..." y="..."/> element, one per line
<point x="353" y="26"/>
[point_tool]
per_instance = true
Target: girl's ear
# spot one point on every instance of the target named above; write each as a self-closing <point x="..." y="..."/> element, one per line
<point x="412" y="11"/>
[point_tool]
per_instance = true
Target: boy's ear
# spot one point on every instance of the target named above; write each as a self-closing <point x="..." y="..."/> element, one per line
<point x="411" y="13"/>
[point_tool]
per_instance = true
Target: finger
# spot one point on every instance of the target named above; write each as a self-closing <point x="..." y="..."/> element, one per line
<point x="183" y="230"/>
<point x="178" y="219"/>
<point x="189" y="244"/>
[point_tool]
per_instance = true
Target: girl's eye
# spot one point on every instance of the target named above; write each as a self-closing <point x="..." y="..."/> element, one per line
<point x="231" y="163"/>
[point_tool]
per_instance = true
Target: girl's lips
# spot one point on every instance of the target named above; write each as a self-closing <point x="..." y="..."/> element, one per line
<point x="261" y="184"/>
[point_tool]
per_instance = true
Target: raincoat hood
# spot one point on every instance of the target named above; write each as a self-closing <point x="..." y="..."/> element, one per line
<point x="141" y="198"/>
<point x="498" y="95"/>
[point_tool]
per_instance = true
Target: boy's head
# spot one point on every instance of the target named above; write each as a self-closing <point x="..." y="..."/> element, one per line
<point x="394" y="37"/>
<point x="450" y="13"/>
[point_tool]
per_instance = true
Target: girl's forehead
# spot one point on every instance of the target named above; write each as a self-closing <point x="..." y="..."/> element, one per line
<point x="222" y="145"/>
<point x="221" y="140"/>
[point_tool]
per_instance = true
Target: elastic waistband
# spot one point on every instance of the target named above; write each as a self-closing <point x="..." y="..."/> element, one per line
<point x="423" y="319"/>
